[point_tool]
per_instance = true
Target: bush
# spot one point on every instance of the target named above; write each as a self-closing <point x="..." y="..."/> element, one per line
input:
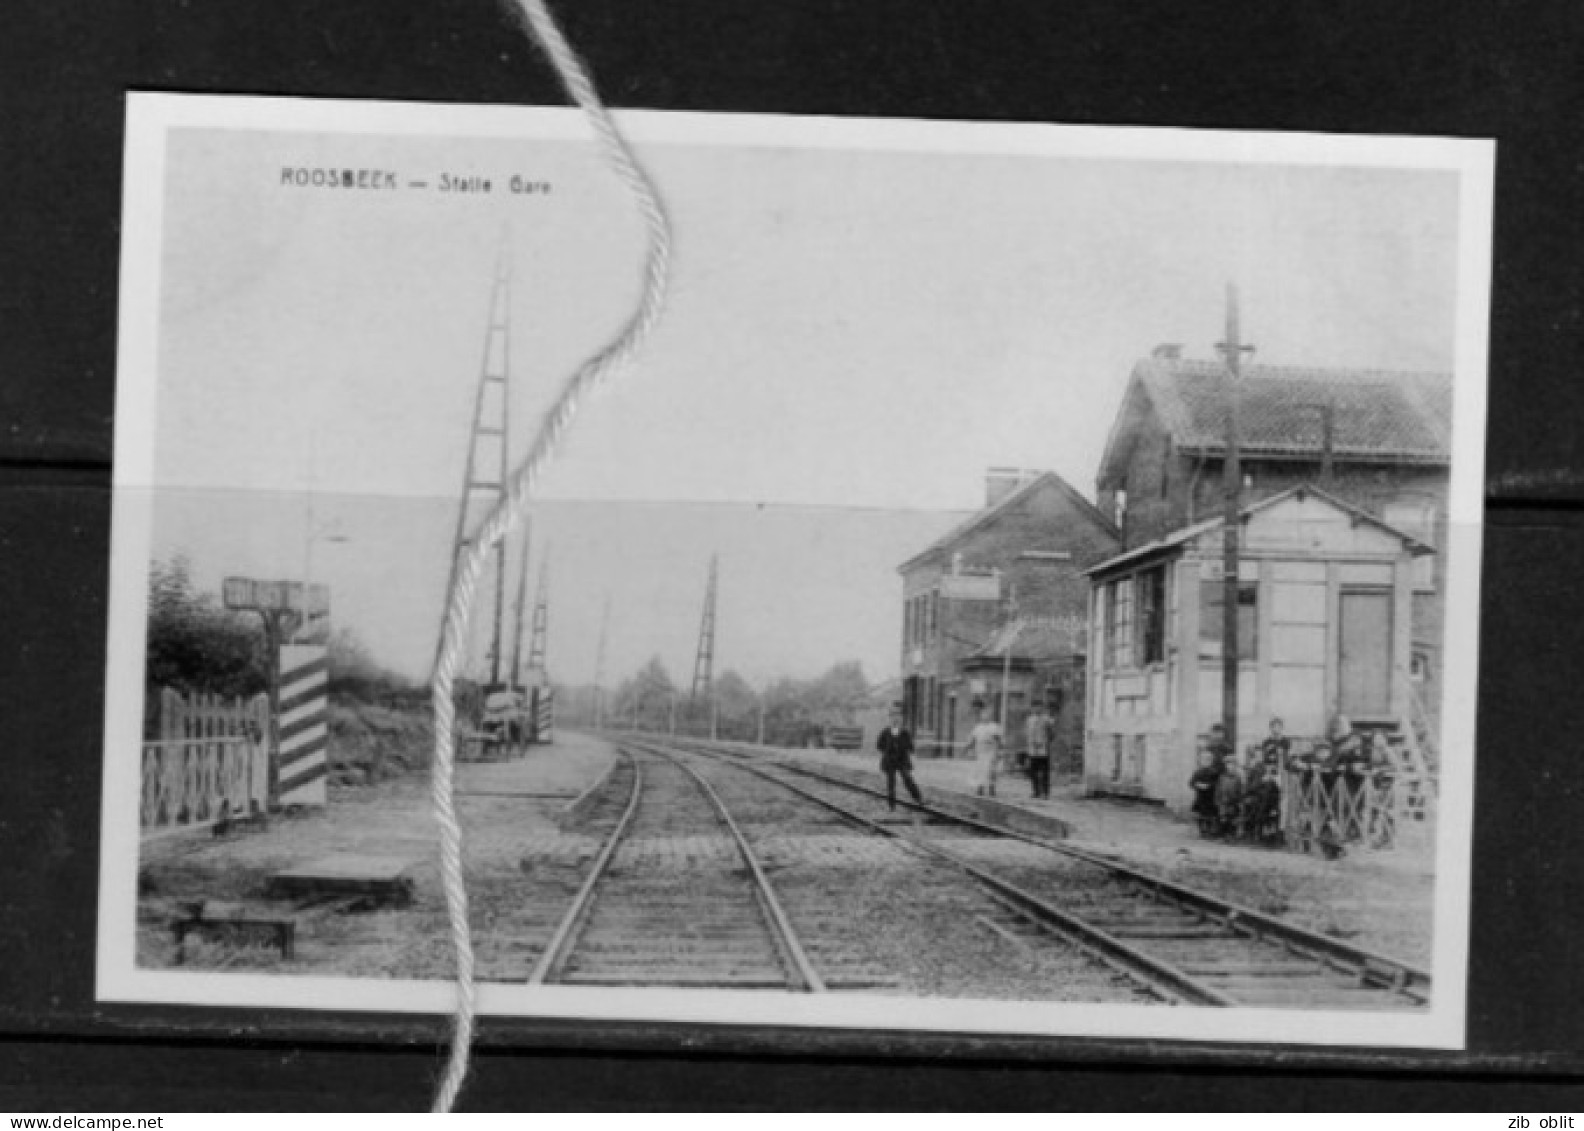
<point x="195" y="645"/>
<point x="370" y="743"/>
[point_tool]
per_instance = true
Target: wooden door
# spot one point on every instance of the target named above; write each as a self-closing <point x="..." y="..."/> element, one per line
<point x="1364" y="669"/>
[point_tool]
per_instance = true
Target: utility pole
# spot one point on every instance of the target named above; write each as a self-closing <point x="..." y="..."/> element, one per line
<point x="522" y="599"/>
<point x="1328" y="442"/>
<point x="704" y="662"/>
<point x="1232" y="350"/>
<point x="1013" y="629"/>
<point x="540" y="631"/>
<point x="484" y="475"/>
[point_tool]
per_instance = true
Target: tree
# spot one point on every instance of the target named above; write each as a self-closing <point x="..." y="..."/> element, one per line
<point x="193" y="643"/>
<point x="645" y="697"/>
<point x="738" y="706"/>
<point x="836" y="696"/>
<point x="355" y="673"/>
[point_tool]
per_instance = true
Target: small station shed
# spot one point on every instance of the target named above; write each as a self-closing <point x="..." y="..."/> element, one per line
<point x="1325" y="600"/>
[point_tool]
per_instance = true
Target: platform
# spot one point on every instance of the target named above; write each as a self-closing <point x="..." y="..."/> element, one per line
<point x="385" y="880"/>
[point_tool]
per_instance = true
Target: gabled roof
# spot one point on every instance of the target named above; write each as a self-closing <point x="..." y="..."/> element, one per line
<point x="1189" y="533"/>
<point x="1378" y="415"/>
<point x="980" y="519"/>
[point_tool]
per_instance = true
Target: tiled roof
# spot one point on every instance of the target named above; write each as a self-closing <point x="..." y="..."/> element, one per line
<point x="1188" y="533"/>
<point x="1392" y="416"/>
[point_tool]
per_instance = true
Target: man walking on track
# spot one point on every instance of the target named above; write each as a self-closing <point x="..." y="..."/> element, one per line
<point x="896" y="758"/>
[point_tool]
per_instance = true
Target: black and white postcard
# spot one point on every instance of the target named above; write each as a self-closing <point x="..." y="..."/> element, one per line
<point x="1026" y="584"/>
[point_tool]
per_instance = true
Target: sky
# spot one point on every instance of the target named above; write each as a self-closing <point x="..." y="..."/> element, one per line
<point x="852" y="337"/>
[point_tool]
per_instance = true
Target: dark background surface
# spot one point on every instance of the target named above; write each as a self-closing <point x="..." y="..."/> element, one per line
<point x="1508" y="71"/>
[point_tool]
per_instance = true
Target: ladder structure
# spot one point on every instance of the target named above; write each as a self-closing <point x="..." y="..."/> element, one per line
<point x="704" y="662"/>
<point x="537" y="676"/>
<point x="489" y="444"/>
<point x="541" y="695"/>
<point x="522" y="600"/>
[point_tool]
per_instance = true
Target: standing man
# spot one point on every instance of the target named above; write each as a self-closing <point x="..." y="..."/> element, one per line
<point x="896" y="758"/>
<point x="1040" y="730"/>
<point x="984" y="743"/>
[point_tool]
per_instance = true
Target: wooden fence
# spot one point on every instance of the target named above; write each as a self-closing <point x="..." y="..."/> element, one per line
<point x="210" y="763"/>
<point x="1325" y="810"/>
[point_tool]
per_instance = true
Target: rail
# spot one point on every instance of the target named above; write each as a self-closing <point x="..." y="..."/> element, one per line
<point x="1371" y="967"/>
<point x="1162" y="977"/>
<point x="554" y="958"/>
<point x="557" y="954"/>
<point x="781" y="927"/>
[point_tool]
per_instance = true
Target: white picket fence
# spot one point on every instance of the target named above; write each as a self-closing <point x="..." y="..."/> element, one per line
<point x="210" y="763"/>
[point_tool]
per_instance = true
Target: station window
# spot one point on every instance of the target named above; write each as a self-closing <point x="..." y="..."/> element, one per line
<point x="1119" y="624"/>
<point x="1212" y="602"/>
<point x="1152" y="616"/>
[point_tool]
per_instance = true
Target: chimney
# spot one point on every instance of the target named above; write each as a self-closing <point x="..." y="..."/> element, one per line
<point x="1168" y="351"/>
<point x="1002" y="481"/>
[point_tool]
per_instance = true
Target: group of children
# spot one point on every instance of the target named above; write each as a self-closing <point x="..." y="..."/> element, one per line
<point x="1234" y="802"/>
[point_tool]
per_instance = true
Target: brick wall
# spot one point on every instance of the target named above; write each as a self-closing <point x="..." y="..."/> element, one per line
<point x="1045" y="519"/>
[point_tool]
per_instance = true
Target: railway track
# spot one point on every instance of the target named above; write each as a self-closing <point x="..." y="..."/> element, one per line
<point x="1181" y="944"/>
<point x="675" y="898"/>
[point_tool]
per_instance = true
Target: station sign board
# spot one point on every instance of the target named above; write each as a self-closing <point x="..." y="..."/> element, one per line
<point x="971" y="587"/>
<point x="276" y="596"/>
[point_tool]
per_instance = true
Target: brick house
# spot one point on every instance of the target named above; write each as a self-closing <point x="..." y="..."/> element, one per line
<point x="998" y="605"/>
<point x="1376" y="440"/>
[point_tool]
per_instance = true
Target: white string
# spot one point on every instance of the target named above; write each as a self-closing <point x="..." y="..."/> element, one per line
<point x="508" y="512"/>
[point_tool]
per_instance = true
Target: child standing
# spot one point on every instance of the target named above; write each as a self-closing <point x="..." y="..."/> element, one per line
<point x="1203" y="784"/>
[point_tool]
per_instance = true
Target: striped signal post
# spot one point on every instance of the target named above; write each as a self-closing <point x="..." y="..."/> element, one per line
<point x="283" y="606"/>
<point x="304" y="724"/>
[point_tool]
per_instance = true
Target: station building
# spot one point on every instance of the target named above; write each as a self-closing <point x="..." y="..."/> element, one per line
<point x="1379" y="441"/>
<point x="997" y="608"/>
<point x="1325" y="605"/>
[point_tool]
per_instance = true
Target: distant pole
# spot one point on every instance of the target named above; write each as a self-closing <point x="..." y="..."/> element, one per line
<point x="704" y="662"/>
<point x="1328" y="442"/>
<point x="1232" y="350"/>
<point x="761" y="718"/>
<point x="515" y="674"/>
<point x="1006" y="660"/>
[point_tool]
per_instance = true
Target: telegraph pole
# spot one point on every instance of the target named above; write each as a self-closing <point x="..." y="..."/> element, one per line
<point x="484" y="476"/>
<point x="1232" y="350"/>
<point x="704" y="662"/>
<point x="516" y="680"/>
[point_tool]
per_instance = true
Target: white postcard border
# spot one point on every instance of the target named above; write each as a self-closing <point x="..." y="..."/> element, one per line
<point x="150" y="118"/>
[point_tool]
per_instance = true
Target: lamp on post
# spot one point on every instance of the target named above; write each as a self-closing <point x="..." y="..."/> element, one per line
<point x="314" y="619"/>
